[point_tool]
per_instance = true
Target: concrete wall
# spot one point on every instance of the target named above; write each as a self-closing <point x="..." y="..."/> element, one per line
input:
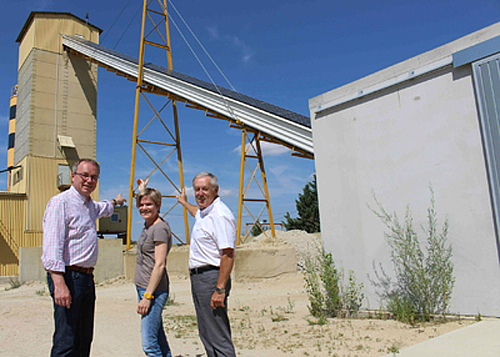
<point x="249" y="263"/>
<point x="109" y="264"/>
<point x="177" y="262"/>
<point x="113" y="261"/>
<point x="395" y="143"/>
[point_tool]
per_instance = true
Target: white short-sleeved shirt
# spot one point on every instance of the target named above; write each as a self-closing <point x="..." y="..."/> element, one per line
<point x="214" y="230"/>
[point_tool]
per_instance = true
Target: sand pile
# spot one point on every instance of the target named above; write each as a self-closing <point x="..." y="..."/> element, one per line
<point x="305" y="244"/>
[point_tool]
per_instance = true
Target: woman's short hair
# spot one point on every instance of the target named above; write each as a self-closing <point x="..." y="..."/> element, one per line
<point x="213" y="179"/>
<point x="150" y="192"/>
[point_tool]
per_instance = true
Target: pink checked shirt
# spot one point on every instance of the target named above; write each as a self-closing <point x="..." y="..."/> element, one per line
<point x="69" y="230"/>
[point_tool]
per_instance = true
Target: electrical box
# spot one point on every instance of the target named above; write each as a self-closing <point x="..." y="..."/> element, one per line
<point x="116" y="223"/>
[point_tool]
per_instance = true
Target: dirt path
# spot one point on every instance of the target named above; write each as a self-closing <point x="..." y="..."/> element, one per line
<point x="269" y="319"/>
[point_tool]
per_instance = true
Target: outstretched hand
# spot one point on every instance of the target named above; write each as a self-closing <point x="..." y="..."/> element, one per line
<point x="142" y="184"/>
<point x="182" y="199"/>
<point x="120" y="200"/>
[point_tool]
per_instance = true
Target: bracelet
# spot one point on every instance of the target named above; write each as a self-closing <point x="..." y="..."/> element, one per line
<point x="114" y="202"/>
<point x="148" y="296"/>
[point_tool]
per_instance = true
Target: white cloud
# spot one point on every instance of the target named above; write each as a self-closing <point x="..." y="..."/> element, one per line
<point x="227" y="192"/>
<point x="246" y="51"/>
<point x="213" y="31"/>
<point x="108" y="192"/>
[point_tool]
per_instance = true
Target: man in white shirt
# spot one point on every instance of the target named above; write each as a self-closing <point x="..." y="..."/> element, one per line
<point x="211" y="259"/>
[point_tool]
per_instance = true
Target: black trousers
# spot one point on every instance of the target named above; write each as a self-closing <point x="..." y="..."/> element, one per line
<point x="74" y="327"/>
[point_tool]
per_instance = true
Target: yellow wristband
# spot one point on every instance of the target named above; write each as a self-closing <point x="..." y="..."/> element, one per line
<point x="148" y="296"/>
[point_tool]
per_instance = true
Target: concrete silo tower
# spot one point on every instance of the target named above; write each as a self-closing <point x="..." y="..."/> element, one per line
<point x="55" y="120"/>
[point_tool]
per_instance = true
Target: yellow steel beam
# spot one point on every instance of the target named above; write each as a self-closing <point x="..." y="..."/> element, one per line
<point x="242" y="182"/>
<point x="256" y="154"/>
<point x="264" y="183"/>
<point x="140" y="70"/>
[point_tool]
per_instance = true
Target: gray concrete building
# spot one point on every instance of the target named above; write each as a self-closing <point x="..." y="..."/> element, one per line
<point x="430" y="120"/>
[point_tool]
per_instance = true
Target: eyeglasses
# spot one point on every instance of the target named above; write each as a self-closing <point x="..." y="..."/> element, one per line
<point x="87" y="177"/>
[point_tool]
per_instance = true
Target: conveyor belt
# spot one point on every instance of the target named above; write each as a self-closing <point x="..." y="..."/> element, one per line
<point x="283" y="125"/>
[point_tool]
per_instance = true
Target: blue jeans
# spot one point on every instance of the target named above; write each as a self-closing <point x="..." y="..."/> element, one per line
<point x="154" y="340"/>
<point x="74" y="327"/>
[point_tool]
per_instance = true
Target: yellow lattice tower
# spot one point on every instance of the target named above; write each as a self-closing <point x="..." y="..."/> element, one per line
<point x="155" y="33"/>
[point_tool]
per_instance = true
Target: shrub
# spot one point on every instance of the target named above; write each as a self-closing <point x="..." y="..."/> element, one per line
<point x="352" y="297"/>
<point x="328" y="297"/>
<point x="424" y="282"/>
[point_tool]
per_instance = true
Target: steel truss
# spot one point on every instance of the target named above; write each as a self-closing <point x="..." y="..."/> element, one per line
<point x="158" y="36"/>
<point x="252" y="162"/>
<point x="298" y="139"/>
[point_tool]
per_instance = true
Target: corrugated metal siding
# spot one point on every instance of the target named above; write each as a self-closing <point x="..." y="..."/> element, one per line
<point x="42" y="186"/>
<point x="12" y="213"/>
<point x="487" y="82"/>
<point x="41" y="176"/>
<point x="32" y="239"/>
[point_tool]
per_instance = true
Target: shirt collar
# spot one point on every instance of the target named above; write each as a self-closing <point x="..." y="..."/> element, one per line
<point x="206" y="211"/>
<point x="81" y="198"/>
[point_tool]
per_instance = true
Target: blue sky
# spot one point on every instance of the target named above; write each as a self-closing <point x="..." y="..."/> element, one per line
<point x="282" y="52"/>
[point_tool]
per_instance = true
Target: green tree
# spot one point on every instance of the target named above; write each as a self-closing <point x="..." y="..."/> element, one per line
<point x="307" y="209"/>
<point x="258" y="228"/>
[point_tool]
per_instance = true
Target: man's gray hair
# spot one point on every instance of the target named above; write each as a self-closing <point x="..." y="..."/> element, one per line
<point x="92" y="161"/>
<point x="213" y="179"/>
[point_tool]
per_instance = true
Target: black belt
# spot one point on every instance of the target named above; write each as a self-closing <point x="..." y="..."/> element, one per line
<point x="80" y="269"/>
<point x="202" y="269"/>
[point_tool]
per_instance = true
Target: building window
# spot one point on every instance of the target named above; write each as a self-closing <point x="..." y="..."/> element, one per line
<point x="17" y="176"/>
<point x="63" y="176"/>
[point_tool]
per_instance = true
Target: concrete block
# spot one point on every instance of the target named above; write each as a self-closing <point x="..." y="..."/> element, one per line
<point x="110" y="261"/>
<point x="266" y="262"/>
<point x="129" y="259"/>
<point x="109" y="264"/>
<point x="177" y="262"/>
<point x="30" y="265"/>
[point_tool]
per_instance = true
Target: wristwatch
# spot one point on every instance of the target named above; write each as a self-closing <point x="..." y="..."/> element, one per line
<point x="148" y="296"/>
<point x="219" y="290"/>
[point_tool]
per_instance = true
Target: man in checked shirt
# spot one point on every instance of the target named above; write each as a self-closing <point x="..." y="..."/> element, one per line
<point x="69" y="256"/>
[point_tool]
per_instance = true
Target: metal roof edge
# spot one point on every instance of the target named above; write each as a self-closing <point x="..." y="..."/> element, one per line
<point x="448" y="60"/>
